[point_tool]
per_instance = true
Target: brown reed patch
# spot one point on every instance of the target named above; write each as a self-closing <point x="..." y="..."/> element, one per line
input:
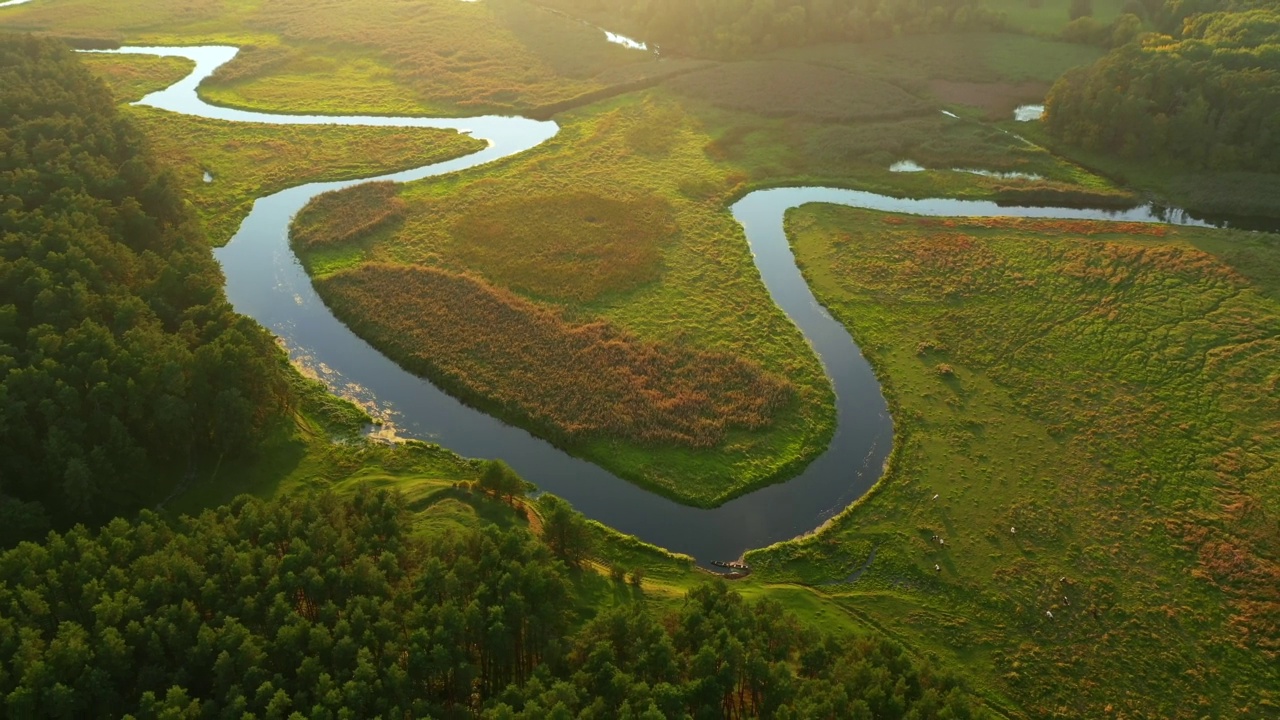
<point x="343" y="215"/>
<point x="526" y="363"/>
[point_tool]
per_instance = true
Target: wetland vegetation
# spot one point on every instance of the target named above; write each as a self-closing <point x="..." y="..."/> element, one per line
<point x="1078" y="518"/>
<point x="1086" y="413"/>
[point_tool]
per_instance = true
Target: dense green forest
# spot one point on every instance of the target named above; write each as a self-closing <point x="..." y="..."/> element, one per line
<point x="734" y="28"/>
<point x="320" y="607"/>
<point x="1205" y="95"/>
<point x="120" y="358"/>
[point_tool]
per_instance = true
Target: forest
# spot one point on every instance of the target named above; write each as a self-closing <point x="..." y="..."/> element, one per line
<point x="1204" y="94"/>
<point x="323" y="607"/>
<point x="121" y="363"/>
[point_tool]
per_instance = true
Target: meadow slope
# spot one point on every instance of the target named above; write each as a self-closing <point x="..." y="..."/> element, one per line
<point x="1088" y="417"/>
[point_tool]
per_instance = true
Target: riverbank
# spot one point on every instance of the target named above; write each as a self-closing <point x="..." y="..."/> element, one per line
<point x="1065" y="438"/>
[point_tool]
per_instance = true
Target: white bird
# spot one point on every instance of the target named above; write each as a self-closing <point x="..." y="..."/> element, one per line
<point x="1013" y="531"/>
<point x="937" y="567"/>
<point x="935" y="497"/>
<point x="1049" y="613"/>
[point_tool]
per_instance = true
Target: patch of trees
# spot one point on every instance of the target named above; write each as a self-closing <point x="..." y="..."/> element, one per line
<point x="737" y="28"/>
<point x="120" y="358"/>
<point x="1207" y="96"/>
<point x="322" y="607"/>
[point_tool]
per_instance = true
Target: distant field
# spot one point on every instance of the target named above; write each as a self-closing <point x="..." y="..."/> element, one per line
<point x="1048" y="17"/>
<point x="790" y="89"/>
<point x="1088" y="415"/>
<point x="974" y="57"/>
<point x="248" y="160"/>
<point x="428" y="57"/>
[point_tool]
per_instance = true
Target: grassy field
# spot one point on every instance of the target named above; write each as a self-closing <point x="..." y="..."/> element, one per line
<point x="1048" y="17"/>
<point x="619" y="223"/>
<point x="1087" y="417"/>
<point x="249" y="160"/>
<point x="429" y="57"/>
<point x="621" y="220"/>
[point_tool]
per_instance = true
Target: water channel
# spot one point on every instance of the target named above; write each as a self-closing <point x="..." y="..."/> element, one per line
<point x="266" y="282"/>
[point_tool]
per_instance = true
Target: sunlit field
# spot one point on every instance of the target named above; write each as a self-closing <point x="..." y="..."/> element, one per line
<point x="622" y="218"/>
<point x="616" y="223"/>
<point x="1087" y="418"/>
<point x="245" y="161"/>
<point x="429" y="57"/>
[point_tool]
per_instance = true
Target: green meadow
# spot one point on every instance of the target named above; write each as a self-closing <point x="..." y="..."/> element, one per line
<point x="426" y="58"/>
<point x="1085" y="416"/>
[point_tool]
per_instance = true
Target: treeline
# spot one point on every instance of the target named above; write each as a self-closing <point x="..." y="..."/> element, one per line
<point x="1206" y="96"/>
<point x="322" y="607"/>
<point x="120" y="358"/>
<point x="737" y="28"/>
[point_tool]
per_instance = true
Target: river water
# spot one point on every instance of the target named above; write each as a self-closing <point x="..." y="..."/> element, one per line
<point x="266" y="282"/>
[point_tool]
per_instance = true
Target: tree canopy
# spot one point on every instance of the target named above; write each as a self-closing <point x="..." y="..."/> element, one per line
<point x="120" y="358"/>
<point x="1206" y="96"/>
<point x="328" y="607"/>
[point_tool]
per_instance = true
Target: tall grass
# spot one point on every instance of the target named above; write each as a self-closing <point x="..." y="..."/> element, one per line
<point x="333" y="218"/>
<point x="784" y="89"/>
<point x="531" y="244"/>
<point x="438" y="56"/>
<point x="1101" y="458"/>
<point x="571" y="381"/>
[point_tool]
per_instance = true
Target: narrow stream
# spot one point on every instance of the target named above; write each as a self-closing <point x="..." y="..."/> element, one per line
<point x="266" y="282"/>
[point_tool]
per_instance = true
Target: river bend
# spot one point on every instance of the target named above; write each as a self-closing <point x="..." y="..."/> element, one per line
<point x="265" y="281"/>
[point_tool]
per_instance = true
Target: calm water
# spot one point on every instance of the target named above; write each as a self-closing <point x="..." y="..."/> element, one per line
<point x="266" y="282"/>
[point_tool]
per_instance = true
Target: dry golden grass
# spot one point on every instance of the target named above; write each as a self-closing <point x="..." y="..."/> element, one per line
<point x="796" y="89"/>
<point x="572" y="381"/>
<point x="532" y="244"/>
<point x="337" y="217"/>
<point x="496" y="54"/>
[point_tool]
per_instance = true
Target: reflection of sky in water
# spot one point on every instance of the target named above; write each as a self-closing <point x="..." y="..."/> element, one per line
<point x="909" y="166"/>
<point x="625" y="41"/>
<point x="906" y="166"/>
<point x="1010" y="175"/>
<point x="1027" y="113"/>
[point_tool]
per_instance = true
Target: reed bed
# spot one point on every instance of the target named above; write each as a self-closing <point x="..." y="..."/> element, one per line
<point x="572" y="381"/>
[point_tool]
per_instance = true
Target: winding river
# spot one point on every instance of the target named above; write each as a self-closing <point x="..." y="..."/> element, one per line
<point x="266" y="282"/>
